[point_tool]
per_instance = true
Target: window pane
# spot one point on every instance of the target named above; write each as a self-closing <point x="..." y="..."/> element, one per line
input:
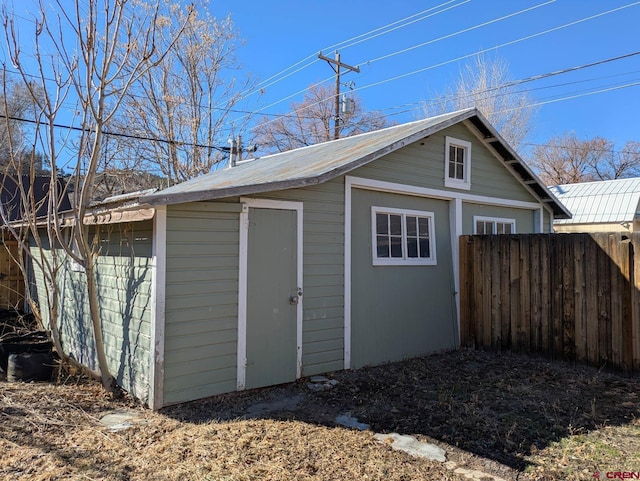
<point x="424" y="248"/>
<point x="412" y="247"/>
<point x="486" y="227"/>
<point x="396" y="224"/>
<point x="506" y="228"/>
<point x="396" y="247"/>
<point x="459" y="163"/>
<point x="412" y="228"/>
<point x="452" y="154"/>
<point x="423" y="226"/>
<point x="382" y="224"/>
<point x="382" y="245"/>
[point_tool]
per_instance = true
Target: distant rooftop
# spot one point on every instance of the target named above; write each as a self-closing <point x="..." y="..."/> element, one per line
<point x="605" y="201"/>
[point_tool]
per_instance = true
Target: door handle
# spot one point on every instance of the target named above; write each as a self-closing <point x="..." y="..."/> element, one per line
<point x="294" y="299"/>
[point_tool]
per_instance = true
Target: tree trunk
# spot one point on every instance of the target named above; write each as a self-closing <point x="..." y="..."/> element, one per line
<point x="108" y="382"/>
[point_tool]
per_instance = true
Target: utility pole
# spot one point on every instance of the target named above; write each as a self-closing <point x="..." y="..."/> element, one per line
<point x="338" y="64"/>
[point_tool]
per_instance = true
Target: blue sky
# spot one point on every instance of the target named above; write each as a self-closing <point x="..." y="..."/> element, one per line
<point x="282" y="38"/>
<point x="280" y="33"/>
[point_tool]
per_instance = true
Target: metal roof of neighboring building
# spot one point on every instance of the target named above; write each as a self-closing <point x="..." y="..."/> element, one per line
<point x="319" y="163"/>
<point x="606" y="201"/>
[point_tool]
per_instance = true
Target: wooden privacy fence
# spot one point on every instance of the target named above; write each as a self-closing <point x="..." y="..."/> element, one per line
<point x="568" y="296"/>
<point x="11" y="278"/>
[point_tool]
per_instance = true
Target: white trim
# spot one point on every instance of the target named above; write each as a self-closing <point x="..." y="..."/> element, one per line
<point x="455" y="226"/>
<point x="404" y="260"/>
<point x="465" y="182"/>
<point x="495" y="221"/>
<point x="158" y="299"/>
<point x="241" y="363"/>
<point x="243" y="278"/>
<point x="540" y="227"/>
<point x="347" y="273"/>
<point x="395" y="188"/>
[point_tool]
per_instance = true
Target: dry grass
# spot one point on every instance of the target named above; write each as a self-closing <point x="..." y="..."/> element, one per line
<point x="511" y="416"/>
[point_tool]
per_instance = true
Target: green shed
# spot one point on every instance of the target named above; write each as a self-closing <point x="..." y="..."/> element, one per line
<point x="333" y="256"/>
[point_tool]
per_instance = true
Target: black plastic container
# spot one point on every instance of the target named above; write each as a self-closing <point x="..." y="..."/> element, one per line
<point x="30" y="366"/>
<point x="36" y="342"/>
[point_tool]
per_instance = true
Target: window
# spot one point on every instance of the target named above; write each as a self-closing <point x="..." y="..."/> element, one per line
<point x="402" y="237"/>
<point x="493" y="225"/>
<point x="457" y="163"/>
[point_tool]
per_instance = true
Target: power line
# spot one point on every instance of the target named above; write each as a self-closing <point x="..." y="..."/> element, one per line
<point x="444" y="37"/>
<point x="513" y="83"/>
<point x="114" y="134"/>
<point x="274" y="78"/>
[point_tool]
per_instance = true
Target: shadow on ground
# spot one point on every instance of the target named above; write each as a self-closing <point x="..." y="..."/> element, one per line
<point x="498" y="406"/>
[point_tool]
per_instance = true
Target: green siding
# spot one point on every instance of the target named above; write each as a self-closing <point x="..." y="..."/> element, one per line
<point x="399" y="311"/>
<point x="124" y="275"/>
<point x="201" y="317"/>
<point x="421" y="164"/>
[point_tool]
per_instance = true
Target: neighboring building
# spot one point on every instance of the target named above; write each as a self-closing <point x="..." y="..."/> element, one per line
<point x="333" y="256"/>
<point x="602" y="206"/>
<point x="36" y="190"/>
<point x="13" y="191"/>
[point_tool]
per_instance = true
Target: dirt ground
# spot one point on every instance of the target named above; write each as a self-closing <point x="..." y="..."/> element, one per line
<point x="507" y="416"/>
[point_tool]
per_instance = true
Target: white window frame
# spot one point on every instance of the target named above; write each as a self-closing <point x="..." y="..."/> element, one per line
<point x="495" y="221"/>
<point x="404" y="260"/>
<point x="465" y="182"/>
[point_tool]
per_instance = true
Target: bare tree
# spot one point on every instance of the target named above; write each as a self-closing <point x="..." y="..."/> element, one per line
<point x="311" y="122"/>
<point x="182" y="105"/>
<point x="16" y="105"/>
<point x="568" y="160"/>
<point x="89" y="55"/>
<point x="486" y="85"/>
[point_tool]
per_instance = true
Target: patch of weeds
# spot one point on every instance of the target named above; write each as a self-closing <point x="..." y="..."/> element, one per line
<point x="603" y="450"/>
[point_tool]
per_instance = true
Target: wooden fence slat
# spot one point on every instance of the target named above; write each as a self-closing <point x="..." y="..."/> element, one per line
<point x="579" y="290"/>
<point x="635" y="303"/>
<point x="514" y="292"/>
<point x="11" y="279"/>
<point x="466" y="281"/>
<point x="615" y="338"/>
<point x="556" y="311"/>
<point x="485" y="261"/>
<point x="625" y="247"/>
<point x="524" y="318"/>
<point x="604" y="299"/>
<point x="505" y="297"/>
<point x="494" y="261"/>
<point x="591" y="299"/>
<point x="545" y="295"/>
<point x="535" y="287"/>
<point x="568" y="300"/>
<point x="478" y="292"/>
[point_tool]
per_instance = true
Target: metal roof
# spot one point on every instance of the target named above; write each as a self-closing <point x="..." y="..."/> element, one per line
<point x="606" y="201"/>
<point x="319" y="163"/>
